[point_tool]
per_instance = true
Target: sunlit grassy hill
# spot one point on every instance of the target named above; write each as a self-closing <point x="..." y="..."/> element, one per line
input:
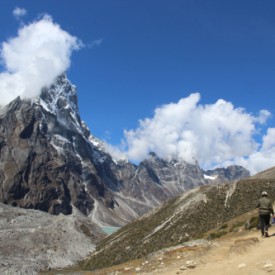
<point x="184" y="218"/>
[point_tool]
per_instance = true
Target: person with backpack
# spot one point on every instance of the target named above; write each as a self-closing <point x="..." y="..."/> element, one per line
<point x="265" y="209"/>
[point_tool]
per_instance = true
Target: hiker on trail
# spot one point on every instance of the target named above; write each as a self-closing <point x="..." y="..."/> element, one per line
<point x="265" y="209"/>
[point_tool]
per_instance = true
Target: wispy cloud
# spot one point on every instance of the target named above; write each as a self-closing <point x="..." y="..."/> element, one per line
<point x="216" y="134"/>
<point x="96" y="43"/>
<point x="34" y="58"/>
<point x="19" y="12"/>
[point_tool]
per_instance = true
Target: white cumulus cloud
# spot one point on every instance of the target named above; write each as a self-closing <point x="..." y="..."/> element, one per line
<point x="34" y="58"/>
<point x="261" y="159"/>
<point x="214" y="134"/>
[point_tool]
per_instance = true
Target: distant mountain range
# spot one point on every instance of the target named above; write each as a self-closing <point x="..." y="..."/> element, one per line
<point x="50" y="161"/>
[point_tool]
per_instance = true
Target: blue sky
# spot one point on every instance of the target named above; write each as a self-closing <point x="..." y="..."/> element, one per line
<point x="138" y="56"/>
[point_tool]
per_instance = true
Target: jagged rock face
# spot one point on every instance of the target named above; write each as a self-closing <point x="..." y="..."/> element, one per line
<point x="160" y="178"/>
<point x="50" y="161"/>
<point x="233" y="172"/>
<point x="155" y="180"/>
<point x="45" y="155"/>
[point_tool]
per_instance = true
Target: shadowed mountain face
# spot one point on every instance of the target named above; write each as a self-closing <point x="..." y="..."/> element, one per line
<point x="50" y="161"/>
<point x="47" y="161"/>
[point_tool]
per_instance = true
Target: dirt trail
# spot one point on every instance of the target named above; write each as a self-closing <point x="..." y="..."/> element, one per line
<point x="227" y="259"/>
<point x="244" y="253"/>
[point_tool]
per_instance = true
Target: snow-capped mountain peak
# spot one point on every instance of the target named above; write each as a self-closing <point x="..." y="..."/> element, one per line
<point x="61" y="94"/>
<point x="60" y="99"/>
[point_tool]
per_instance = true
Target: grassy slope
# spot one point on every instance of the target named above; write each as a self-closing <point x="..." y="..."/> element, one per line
<point x="182" y="219"/>
<point x="208" y="212"/>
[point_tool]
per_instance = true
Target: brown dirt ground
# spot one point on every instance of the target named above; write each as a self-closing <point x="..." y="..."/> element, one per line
<point x="244" y="253"/>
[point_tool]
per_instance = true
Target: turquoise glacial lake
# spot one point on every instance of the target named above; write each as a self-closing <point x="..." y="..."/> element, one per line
<point x="109" y="229"/>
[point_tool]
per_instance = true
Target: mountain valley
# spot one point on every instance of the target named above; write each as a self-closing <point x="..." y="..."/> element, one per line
<point x="185" y="218"/>
<point x="60" y="188"/>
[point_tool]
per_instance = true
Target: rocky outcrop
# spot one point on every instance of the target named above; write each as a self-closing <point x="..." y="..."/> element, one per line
<point x="222" y="175"/>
